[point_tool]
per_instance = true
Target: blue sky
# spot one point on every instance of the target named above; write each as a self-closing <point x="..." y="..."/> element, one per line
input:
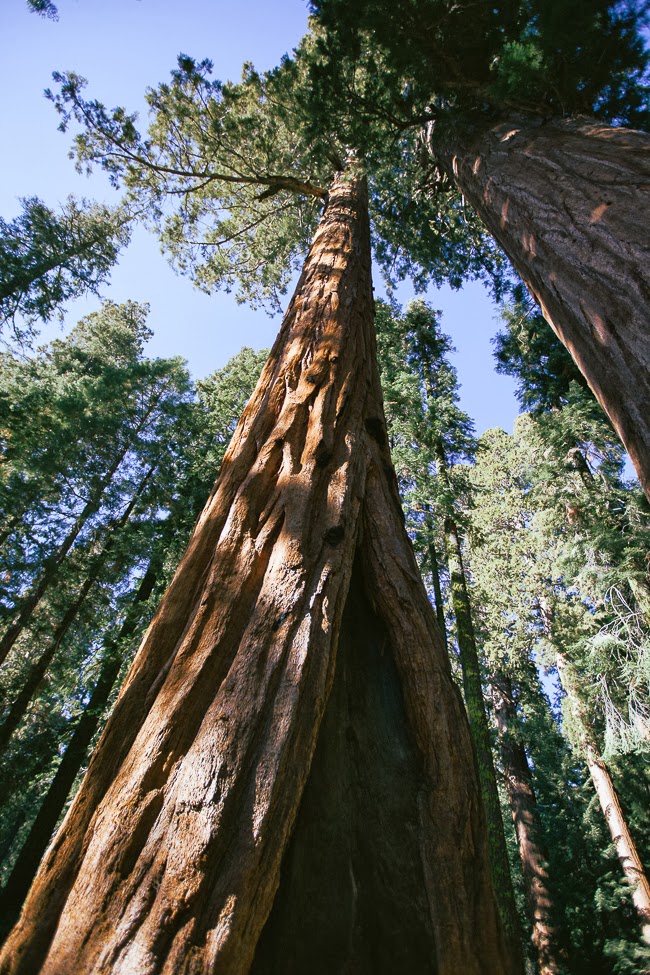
<point x="122" y="47"/>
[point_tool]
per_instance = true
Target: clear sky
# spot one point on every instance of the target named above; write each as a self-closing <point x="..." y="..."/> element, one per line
<point x="122" y="47"/>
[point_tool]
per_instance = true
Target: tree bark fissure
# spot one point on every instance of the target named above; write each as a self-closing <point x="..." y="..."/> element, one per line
<point x="563" y="199"/>
<point x="170" y="858"/>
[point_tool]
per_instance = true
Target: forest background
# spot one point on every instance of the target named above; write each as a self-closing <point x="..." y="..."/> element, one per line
<point x="136" y="48"/>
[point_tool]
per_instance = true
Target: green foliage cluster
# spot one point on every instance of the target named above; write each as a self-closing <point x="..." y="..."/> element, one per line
<point x="450" y="60"/>
<point x="224" y="173"/>
<point x="98" y="440"/>
<point x="45" y="8"/>
<point x="47" y="258"/>
<point x="543" y="554"/>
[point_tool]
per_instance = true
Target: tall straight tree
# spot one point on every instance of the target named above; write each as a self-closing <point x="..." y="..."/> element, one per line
<point x="81" y="419"/>
<point x="554" y="555"/>
<point x="297" y="611"/>
<point x="499" y="558"/>
<point x="515" y="108"/>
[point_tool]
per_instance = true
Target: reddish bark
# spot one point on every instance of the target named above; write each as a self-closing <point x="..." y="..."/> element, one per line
<point x="172" y="855"/>
<point x="567" y="200"/>
<point x="18" y="883"/>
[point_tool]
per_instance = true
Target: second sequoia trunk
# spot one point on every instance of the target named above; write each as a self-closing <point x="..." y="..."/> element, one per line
<point x="567" y="200"/>
<point x="288" y="768"/>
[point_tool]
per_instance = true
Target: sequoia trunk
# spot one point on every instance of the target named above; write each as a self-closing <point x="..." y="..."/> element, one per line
<point x="53" y="804"/>
<point x="523" y="805"/>
<point x="178" y="843"/>
<point x="567" y="201"/>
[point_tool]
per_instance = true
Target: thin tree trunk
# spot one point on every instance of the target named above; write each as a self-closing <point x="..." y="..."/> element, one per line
<point x="475" y="703"/>
<point x="178" y="843"/>
<point x="53" y="804"/>
<point x="523" y="805"/>
<point x="31" y="599"/>
<point x="435" y="575"/>
<point x="609" y="803"/>
<point x="567" y="201"/>
<point x="39" y="668"/>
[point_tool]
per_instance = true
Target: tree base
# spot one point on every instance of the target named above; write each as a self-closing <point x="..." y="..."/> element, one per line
<point x="352" y="894"/>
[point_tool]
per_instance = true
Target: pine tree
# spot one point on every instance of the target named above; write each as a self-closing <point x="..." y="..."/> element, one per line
<point x="500" y="555"/>
<point x="47" y="258"/>
<point x="524" y="558"/>
<point x="87" y="463"/>
<point x="194" y="444"/>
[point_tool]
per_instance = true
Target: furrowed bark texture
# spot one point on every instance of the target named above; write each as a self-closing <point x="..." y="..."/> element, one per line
<point x="523" y="805"/>
<point x="38" y="839"/>
<point x="171" y="856"/>
<point x="568" y="201"/>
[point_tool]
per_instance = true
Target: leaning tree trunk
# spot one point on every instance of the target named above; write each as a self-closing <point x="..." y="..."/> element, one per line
<point x="432" y="558"/>
<point x="622" y="839"/>
<point x="523" y="805"/>
<point x="286" y="783"/>
<point x="31" y="599"/>
<point x="567" y="200"/>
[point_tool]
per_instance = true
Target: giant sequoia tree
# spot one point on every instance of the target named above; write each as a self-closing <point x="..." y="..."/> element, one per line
<point x="287" y="780"/>
<point x="515" y="106"/>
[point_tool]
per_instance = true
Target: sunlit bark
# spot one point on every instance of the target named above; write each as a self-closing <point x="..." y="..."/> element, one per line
<point x="624" y="844"/>
<point x="299" y="578"/>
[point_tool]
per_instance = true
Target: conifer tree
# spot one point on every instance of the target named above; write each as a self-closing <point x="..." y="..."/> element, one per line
<point x="47" y="258"/>
<point x="218" y="755"/>
<point x="524" y="557"/>
<point x="81" y="420"/>
<point x="421" y="387"/>
<point x="500" y="556"/>
<point x="194" y="443"/>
